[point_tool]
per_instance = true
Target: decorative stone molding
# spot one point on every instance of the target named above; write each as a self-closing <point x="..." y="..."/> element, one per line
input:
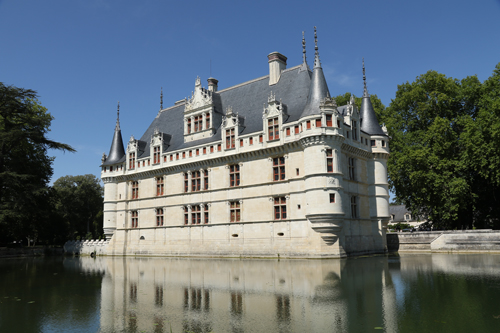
<point x="200" y="98"/>
<point x="356" y="151"/>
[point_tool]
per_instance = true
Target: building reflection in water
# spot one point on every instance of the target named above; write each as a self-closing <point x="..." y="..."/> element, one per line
<point x="224" y="295"/>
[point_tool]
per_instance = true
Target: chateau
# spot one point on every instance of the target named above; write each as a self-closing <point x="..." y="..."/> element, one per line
<point x="271" y="167"/>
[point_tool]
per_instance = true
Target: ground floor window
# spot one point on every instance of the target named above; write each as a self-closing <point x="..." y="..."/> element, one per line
<point x="135" y="219"/>
<point x="280" y="208"/>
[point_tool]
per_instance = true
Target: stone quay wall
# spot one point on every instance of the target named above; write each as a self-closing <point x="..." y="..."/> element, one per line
<point x="444" y="241"/>
<point x="87" y="247"/>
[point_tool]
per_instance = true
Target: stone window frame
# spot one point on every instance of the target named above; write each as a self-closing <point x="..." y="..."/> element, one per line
<point x="279" y="168"/>
<point x="159" y="216"/>
<point x="279" y="208"/>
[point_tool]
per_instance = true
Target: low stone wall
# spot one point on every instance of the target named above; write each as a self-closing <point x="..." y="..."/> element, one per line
<point x="444" y="241"/>
<point x="98" y="247"/>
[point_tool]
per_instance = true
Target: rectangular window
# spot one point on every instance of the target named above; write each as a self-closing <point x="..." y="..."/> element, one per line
<point x="189" y="126"/>
<point x="347" y="134"/>
<point x="159" y="217"/>
<point x="171" y="157"/>
<point x="206" y="212"/>
<point x="241" y="142"/>
<point x="211" y="149"/>
<point x="288" y="131"/>
<point x="260" y="138"/>
<point x="280" y="208"/>
<point x="177" y="156"/>
<point x="207" y="120"/>
<point x="373" y="143"/>
<point x="250" y="141"/>
<point x="329" y="121"/>
<point x="318" y="122"/>
<point x="234" y="175"/>
<point x="131" y="160"/>
<point x="308" y="124"/>
<point x="278" y="168"/>
<point x="338" y="123"/>
<point x="186" y="183"/>
<point x="159" y="186"/>
<point x="329" y="160"/>
<point x="135" y="219"/>
<point x="135" y="190"/>
<point x="195" y="181"/>
<point x="235" y="211"/>
<point x="149" y="161"/>
<point x="195" y="214"/>
<point x="205" y="179"/>
<point x="186" y="215"/>
<point x="198" y="125"/>
<point x="296" y="129"/>
<point x="332" y="197"/>
<point x="352" y="168"/>
<point x="219" y="147"/>
<point x="354" y="207"/>
<point x="197" y="152"/>
<point x="273" y="129"/>
<point x="190" y="153"/>
<point x="354" y="125"/>
<point x="164" y="158"/>
<point x="383" y="145"/>
<point x="230" y="138"/>
<point x="183" y="154"/>
<point x="204" y="150"/>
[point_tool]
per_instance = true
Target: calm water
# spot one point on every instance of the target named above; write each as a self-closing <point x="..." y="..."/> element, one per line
<point x="407" y="293"/>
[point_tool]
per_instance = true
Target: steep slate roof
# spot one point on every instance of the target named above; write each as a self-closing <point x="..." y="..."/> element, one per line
<point x="369" y="122"/>
<point x="116" y="152"/>
<point x="247" y="100"/>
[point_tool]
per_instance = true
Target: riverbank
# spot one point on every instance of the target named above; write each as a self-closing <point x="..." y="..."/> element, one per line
<point x="457" y="241"/>
<point x="14" y="252"/>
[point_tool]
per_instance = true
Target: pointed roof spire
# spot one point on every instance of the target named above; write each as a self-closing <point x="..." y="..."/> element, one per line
<point x="117" y="117"/>
<point x="365" y="91"/>
<point x="369" y="122"/>
<point x="116" y="151"/>
<point x="318" y="89"/>
<point x="161" y="99"/>
<point x="304" y="65"/>
<point x="317" y="63"/>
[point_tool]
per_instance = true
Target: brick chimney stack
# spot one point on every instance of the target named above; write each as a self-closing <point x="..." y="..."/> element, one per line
<point x="277" y="63"/>
<point x="212" y="84"/>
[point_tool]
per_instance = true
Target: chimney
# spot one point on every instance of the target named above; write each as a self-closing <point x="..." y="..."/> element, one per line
<point x="212" y="84"/>
<point x="277" y="63"/>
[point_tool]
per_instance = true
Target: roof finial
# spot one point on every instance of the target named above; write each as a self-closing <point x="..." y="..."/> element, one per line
<point x="317" y="63"/>
<point x="118" y="116"/>
<point x="365" y="91"/>
<point x="303" y="47"/>
<point x="161" y="99"/>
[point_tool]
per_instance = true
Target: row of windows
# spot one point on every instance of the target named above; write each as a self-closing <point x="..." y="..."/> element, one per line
<point x="200" y="214"/>
<point x="198" y="180"/>
<point x="196" y="125"/>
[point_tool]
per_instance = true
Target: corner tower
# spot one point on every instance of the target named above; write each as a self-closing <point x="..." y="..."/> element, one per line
<point x="112" y="165"/>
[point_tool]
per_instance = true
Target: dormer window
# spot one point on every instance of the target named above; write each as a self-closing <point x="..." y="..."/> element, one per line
<point x="156" y="155"/>
<point x="273" y="128"/>
<point x="131" y="160"/>
<point x="199" y="114"/>
<point x="230" y="139"/>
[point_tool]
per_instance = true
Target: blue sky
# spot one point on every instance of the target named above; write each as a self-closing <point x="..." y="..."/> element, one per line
<point x="82" y="56"/>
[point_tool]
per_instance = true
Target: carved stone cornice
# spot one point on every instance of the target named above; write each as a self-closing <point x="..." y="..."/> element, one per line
<point x="384" y="156"/>
<point x="320" y="139"/>
<point x="356" y="151"/>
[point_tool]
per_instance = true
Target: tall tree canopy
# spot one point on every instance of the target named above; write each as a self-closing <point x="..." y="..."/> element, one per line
<point x="79" y="204"/>
<point x="445" y="148"/>
<point x="25" y="167"/>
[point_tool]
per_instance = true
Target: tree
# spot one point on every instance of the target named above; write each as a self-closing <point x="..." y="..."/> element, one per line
<point x="79" y="205"/>
<point x="25" y="167"/>
<point x="437" y="164"/>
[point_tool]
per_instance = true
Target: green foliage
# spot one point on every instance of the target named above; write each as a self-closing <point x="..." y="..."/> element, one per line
<point x="444" y="153"/>
<point x="79" y="204"/>
<point x="25" y="167"/>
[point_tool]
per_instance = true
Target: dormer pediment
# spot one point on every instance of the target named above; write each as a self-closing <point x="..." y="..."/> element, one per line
<point x="200" y="99"/>
<point x="274" y="107"/>
<point x="160" y="139"/>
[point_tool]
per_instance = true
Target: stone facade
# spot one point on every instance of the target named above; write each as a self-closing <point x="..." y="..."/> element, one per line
<point x="270" y="167"/>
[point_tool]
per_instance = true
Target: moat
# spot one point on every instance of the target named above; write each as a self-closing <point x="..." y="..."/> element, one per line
<point x="393" y="293"/>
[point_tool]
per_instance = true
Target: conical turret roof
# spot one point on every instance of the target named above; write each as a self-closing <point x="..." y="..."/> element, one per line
<point x="369" y="122"/>
<point x="117" y="151"/>
<point x="319" y="89"/>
